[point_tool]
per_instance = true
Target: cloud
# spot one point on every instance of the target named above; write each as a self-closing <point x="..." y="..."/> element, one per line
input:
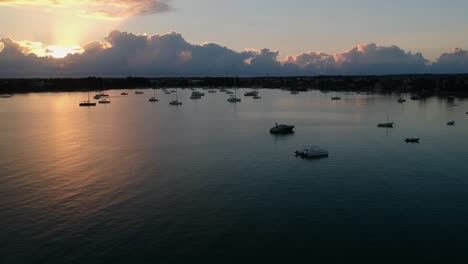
<point x="455" y="61"/>
<point x="122" y="54"/>
<point x="111" y="9"/>
<point x="361" y="60"/>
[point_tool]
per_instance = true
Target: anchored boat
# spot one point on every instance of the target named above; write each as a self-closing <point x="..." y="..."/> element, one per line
<point x="312" y="152"/>
<point x="282" y="129"/>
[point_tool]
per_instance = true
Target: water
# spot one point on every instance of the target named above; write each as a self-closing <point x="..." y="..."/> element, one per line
<point x="141" y="182"/>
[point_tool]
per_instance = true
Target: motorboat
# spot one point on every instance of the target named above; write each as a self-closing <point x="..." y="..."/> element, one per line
<point x="336" y="98"/>
<point x="234" y="99"/>
<point x="251" y="93"/>
<point x="412" y="140"/>
<point x="451" y="123"/>
<point x="229" y="92"/>
<point x="294" y="92"/>
<point x="312" y="152"/>
<point x="124" y="93"/>
<point x="5" y="96"/>
<point x="175" y="102"/>
<point x="195" y="97"/>
<point x="139" y="92"/>
<point x="401" y="100"/>
<point x="197" y="93"/>
<point x="211" y="91"/>
<point x="282" y="129"/>
<point x="104" y="101"/>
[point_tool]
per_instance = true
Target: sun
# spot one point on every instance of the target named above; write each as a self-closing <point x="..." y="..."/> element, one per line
<point x="62" y="51"/>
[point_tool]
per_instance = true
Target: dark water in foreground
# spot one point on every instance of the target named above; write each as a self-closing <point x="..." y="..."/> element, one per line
<point x="135" y="182"/>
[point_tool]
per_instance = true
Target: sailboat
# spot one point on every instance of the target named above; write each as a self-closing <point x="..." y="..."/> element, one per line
<point x="87" y="103"/>
<point x="154" y="99"/>
<point x="176" y="101"/>
<point x="256" y="95"/>
<point x="234" y="98"/>
<point x="388" y="124"/>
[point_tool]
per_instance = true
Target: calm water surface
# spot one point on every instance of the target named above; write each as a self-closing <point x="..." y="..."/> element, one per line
<point x="140" y="182"/>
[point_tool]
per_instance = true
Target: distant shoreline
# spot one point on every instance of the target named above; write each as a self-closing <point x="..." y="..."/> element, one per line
<point x="456" y="84"/>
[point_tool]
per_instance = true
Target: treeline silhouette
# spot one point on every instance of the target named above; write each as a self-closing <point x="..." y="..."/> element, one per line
<point x="454" y="84"/>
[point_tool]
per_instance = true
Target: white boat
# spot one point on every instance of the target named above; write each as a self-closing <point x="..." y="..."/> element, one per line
<point x="312" y="152"/>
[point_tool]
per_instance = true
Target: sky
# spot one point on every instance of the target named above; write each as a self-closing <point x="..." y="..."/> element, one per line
<point x="286" y="28"/>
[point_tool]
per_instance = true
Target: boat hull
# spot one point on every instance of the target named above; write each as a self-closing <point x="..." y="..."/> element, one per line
<point x="282" y="129"/>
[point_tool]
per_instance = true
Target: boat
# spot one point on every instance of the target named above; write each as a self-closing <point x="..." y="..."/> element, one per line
<point x="154" y="99"/>
<point x="412" y="140"/>
<point x="451" y="98"/>
<point x="194" y="96"/>
<point x="104" y="101"/>
<point x="139" y="92"/>
<point x="103" y="95"/>
<point x="282" y="129"/>
<point x="415" y="97"/>
<point x="6" y="96"/>
<point x="257" y="97"/>
<point x="294" y="92"/>
<point x="336" y="98"/>
<point x="97" y="97"/>
<point x="451" y="123"/>
<point x="87" y="103"/>
<point x="311" y="152"/>
<point x="387" y="124"/>
<point x="211" y="91"/>
<point x="124" y="93"/>
<point x="197" y="93"/>
<point x="229" y="92"/>
<point x="401" y="100"/>
<point x="234" y="99"/>
<point x="176" y="101"/>
<point x="251" y="93"/>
